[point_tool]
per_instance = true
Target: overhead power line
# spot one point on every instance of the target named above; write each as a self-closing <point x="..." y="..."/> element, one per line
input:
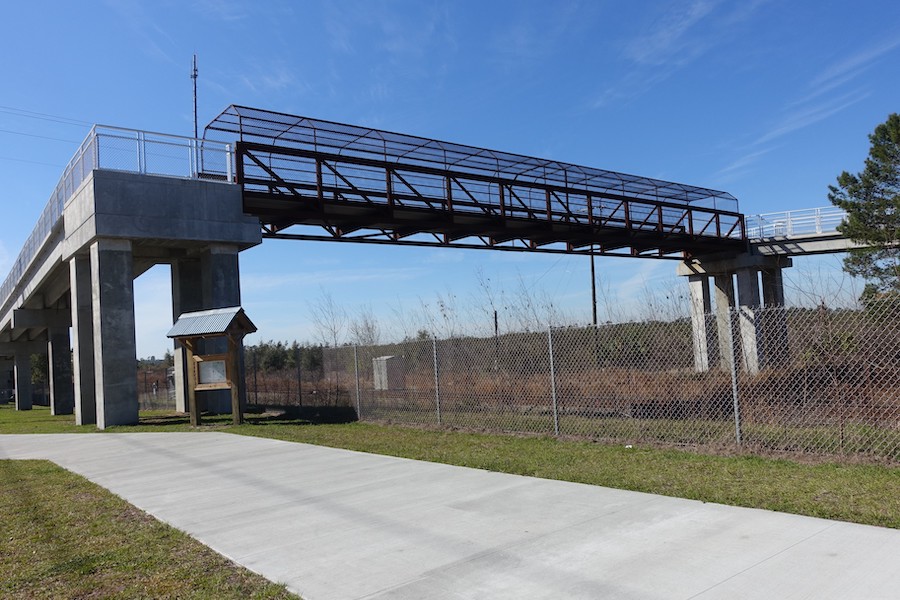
<point x="34" y="135"/>
<point x="30" y="114"/>
<point x="33" y="162"/>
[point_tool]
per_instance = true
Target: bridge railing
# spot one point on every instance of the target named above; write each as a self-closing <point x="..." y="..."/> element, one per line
<point x="118" y="149"/>
<point x="794" y="223"/>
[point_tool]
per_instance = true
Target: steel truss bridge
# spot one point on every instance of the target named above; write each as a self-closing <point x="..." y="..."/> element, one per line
<point x="366" y="185"/>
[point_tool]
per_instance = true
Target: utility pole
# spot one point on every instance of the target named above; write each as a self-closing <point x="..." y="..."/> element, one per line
<point x="194" y="77"/>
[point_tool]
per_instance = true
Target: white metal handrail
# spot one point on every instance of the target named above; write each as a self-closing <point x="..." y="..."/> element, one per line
<point x="795" y="223"/>
<point x="119" y="149"/>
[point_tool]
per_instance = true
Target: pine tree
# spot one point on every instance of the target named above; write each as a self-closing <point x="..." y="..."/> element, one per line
<point x="871" y="199"/>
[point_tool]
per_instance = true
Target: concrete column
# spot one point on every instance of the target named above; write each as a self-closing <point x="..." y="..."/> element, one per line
<point x="7" y="379"/>
<point x="22" y="373"/>
<point x="724" y="295"/>
<point x="115" y="355"/>
<point x="221" y="289"/>
<point x="187" y="296"/>
<point x="774" y="326"/>
<point x="773" y="287"/>
<point x="700" y="308"/>
<point x="748" y="299"/>
<point x="221" y="276"/>
<point x="82" y="341"/>
<point x="62" y="391"/>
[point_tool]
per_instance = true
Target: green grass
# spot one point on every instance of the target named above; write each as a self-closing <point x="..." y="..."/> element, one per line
<point x="861" y="493"/>
<point x="853" y="439"/>
<point x="64" y="537"/>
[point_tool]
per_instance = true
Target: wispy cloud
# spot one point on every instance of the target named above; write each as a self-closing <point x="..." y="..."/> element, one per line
<point x="676" y="39"/>
<point x="222" y="10"/>
<point x="275" y="78"/>
<point x="529" y="37"/>
<point x="5" y="258"/>
<point x="146" y="32"/>
<point x="668" y="41"/>
<point x="337" y="28"/>
<point x="825" y="95"/>
<point x="809" y="115"/>
<point x="738" y="167"/>
<point x="854" y="64"/>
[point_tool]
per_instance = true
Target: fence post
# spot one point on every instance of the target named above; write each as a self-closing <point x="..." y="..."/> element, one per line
<point x="96" y="148"/>
<point x="735" y="397"/>
<point x="437" y="384"/>
<point x="299" y="360"/>
<point x="356" y="372"/>
<point x="142" y="154"/>
<point x="255" y="381"/>
<point x="229" y="174"/>
<point x="553" y="381"/>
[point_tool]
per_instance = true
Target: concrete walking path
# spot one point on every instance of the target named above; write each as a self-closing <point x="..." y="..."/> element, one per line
<point x="341" y="525"/>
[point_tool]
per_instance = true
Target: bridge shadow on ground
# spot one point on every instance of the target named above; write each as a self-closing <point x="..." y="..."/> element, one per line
<point x="282" y="415"/>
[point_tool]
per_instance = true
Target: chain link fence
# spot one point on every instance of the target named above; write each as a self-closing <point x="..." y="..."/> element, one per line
<point x="824" y="381"/>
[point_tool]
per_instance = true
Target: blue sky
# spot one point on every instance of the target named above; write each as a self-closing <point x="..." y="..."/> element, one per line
<point x="767" y="100"/>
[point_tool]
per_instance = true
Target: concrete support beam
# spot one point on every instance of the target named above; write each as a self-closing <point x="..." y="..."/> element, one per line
<point x="748" y="299"/>
<point x="62" y="390"/>
<point x="25" y="318"/>
<point x="187" y="296"/>
<point x="83" y="340"/>
<point x="703" y="339"/>
<point x="115" y="355"/>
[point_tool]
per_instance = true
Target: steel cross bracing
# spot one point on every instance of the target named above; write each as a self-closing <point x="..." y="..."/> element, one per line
<point x="365" y="185"/>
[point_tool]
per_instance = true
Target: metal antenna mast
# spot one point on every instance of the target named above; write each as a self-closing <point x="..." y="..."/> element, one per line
<point x="194" y="77"/>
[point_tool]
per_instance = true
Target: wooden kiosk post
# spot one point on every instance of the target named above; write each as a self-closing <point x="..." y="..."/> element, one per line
<point x="219" y="371"/>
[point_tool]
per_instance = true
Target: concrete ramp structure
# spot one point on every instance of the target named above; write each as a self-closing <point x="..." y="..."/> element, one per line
<point x="127" y="201"/>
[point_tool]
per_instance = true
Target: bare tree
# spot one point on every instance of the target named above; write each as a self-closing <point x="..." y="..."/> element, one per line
<point x="443" y="317"/>
<point x="812" y="285"/>
<point x="364" y="328"/>
<point x="329" y="319"/>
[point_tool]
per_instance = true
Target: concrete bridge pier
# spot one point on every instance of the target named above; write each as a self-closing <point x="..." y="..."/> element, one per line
<point x="20" y="352"/>
<point x="103" y="348"/>
<point x="62" y="390"/>
<point x="115" y="351"/>
<point x="762" y="336"/>
<point x="211" y="280"/>
<point x="82" y="340"/>
<point x="24" y="388"/>
<point x="704" y="341"/>
<point x="187" y="296"/>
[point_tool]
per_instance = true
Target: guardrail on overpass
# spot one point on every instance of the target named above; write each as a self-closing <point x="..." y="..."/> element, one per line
<point x="795" y="223"/>
<point x="120" y="149"/>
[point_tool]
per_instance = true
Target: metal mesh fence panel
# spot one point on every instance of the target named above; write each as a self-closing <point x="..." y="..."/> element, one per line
<point x="501" y="383"/>
<point x="829" y="382"/>
<point x="776" y="379"/>
<point x="397" y="384"/>
<point x="637" y="382"/>
<point x="310" y="376"/>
